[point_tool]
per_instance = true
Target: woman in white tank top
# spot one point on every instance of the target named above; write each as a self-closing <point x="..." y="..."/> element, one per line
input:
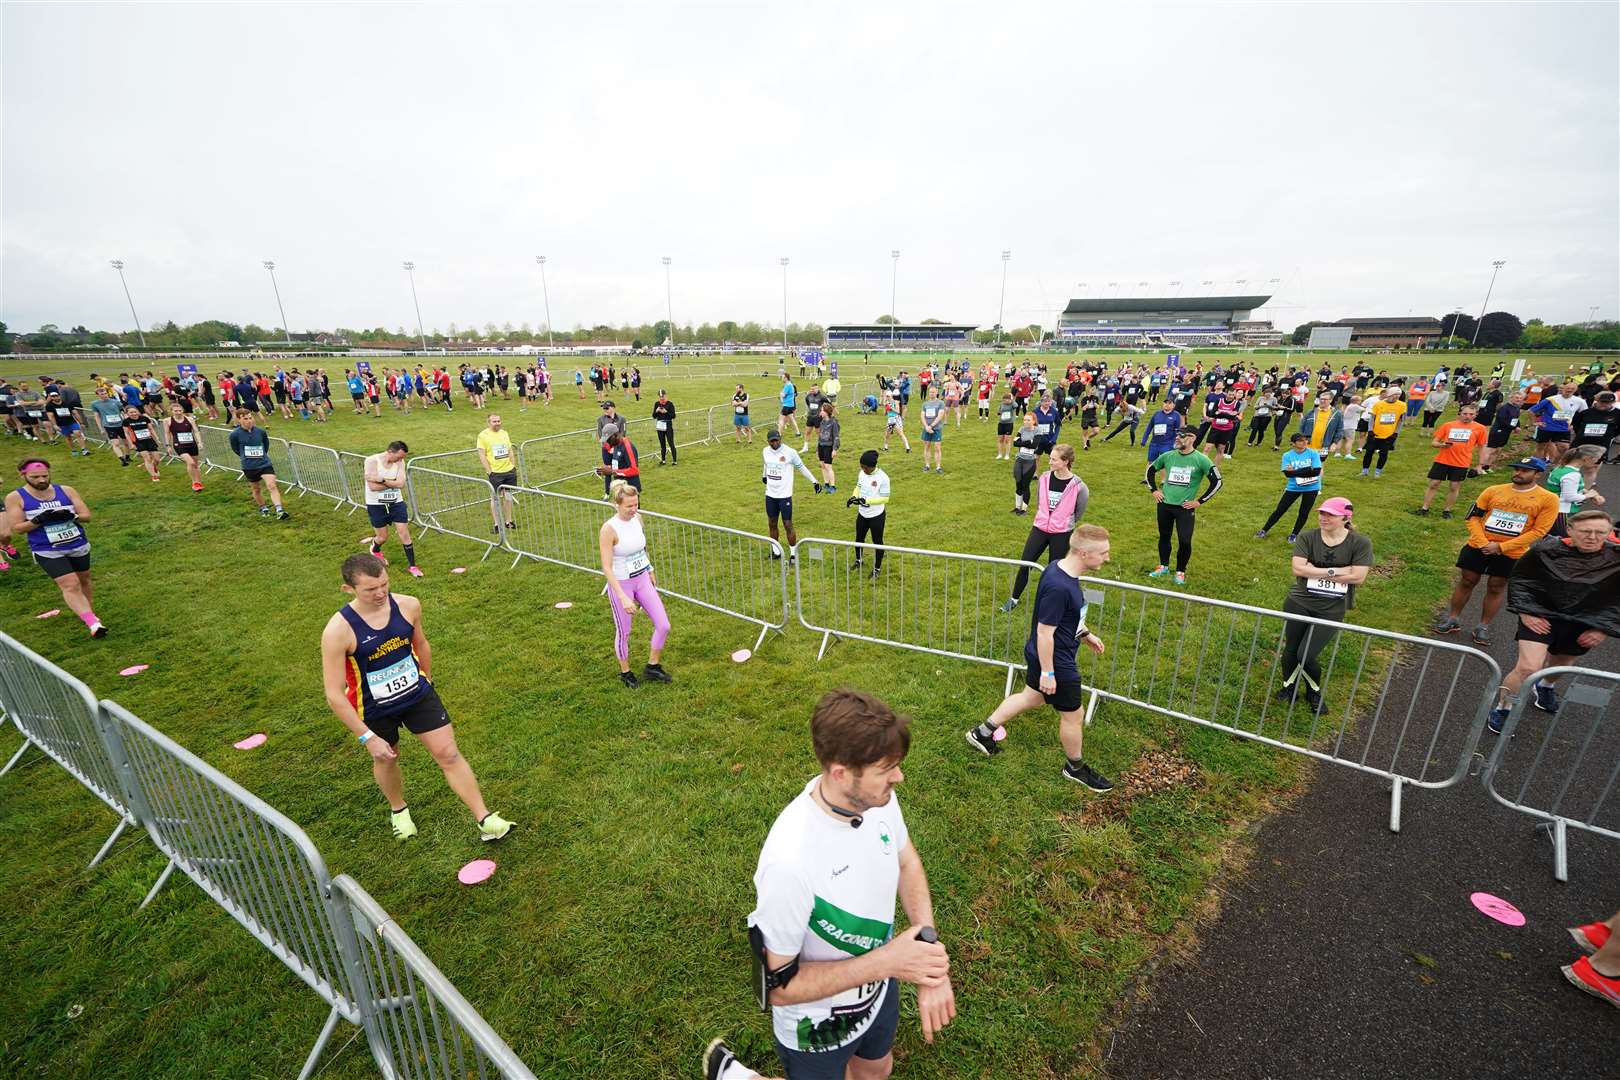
<point x="631" y="586"/>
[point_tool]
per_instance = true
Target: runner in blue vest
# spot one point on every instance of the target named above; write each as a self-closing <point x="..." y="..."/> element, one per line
<point x="52" y="516"/>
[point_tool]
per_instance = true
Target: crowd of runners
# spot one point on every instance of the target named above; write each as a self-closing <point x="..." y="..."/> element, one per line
<point x="828" y="959"/>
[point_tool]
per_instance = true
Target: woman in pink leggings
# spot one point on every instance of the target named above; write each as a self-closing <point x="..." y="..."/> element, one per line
<point x="630" y="583"/>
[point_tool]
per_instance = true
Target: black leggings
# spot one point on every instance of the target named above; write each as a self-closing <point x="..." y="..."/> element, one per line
<point x="1279" y="425"/>
<point x="1257" y="430"/>
<point x="1038" y="541"/>
<point x="1307" y="499"/>
<point x="1299" y="655"/>
<point x="1123" y="424"/>
<point x="1183" y="521"/>
<point x="666" y="439"/>
<point x="1382" y="445"/>
<point x="872" y="526"/>
<point x="1023" y="474"/>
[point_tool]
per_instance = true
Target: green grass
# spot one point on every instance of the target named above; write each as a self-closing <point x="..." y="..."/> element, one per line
<point x="610" y="943"/>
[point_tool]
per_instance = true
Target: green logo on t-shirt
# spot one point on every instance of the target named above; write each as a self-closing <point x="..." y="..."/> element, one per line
<point x="851" y="933"/>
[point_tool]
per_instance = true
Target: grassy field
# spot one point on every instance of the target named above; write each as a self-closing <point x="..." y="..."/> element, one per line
<point x="610" y="942"/>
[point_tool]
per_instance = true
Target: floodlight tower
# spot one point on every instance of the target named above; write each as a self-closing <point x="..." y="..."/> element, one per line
<point x="894" y="285"/>
<point x="540" y="260"/>
<point x="669" y="304"/>
<point x="118" y="265"/>
<point x="1496" y="268"/>
<point x="410" y="272"/>
<point x="269" y="264"/>
<point x="784" y="261"/>
<point x="1001" y="311"/>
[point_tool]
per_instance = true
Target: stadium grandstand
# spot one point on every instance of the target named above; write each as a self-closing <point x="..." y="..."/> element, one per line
<point x="902" y="335"/>
<point x="1395" y="333"/>
<point x="1150" y="322"/>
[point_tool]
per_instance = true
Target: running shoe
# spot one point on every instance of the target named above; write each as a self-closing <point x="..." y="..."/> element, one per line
<point x="984" y="744"/>
<point x="1422" y="511"/>
<point x="157" y="479"/>
<point x="415" y="571"/>
<point x="1546" y="697"/>
<point x="1363" y="472"/>
<point x="282" y="515"/>
<point x="493" y="827"/>
<point x="1585" y="977"/>
<point x="9" y="550"/>
<point x="1012" y="602"/>
<point x="1181" y="577"/>
<point x="1481" y="635"/>
<point x="1087" y="777"/>
<point x="404" y="828"/>
<point x="875" y="571"/>
<point x="1292" y="537"/>
<point x="1377" y="473"/>
<point x="4" y="565"/>
<point x="719" y="1063"/>
<point x="124" y="461"/>
<point x="98" y="629"/>
<point x="656" y="673"/>
<point x="1446" y="624"/>
<point x="1494" y="722"/>
<point x="196" y="486"/>
<point x="856" y="565"/>
<point x="1159" y="571"/>
<point x="629" y="679"/>
<point x="1259" y="534"/>
<point x="1446" y="514"/>
<point x="1591" y="937"/>
<point x="264" y="511"/>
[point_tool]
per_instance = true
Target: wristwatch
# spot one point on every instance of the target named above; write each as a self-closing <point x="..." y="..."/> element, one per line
<point x="1332" y="572"/>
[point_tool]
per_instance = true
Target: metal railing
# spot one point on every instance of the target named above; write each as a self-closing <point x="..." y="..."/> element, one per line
<point x="1405" y="708"/>
<point x="216" y="450"/>
<point x="57" y="713"/>
<point x="318" y="469"/>
<point x="940" y="602"/>
<point x="354" y="478"/>
<point x="736" y="573"/>
<point x="457" y="462"/>
<point x="416" y="1023"/>
<point x="254" y="862"/>
<point x="455" y="505"/>
<point x="1571" y="778"/>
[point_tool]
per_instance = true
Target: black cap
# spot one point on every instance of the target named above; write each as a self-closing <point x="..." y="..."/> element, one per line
<point x="773" y="434"/>
<point x="608" y="404"/>
<point x="869" y="459"/>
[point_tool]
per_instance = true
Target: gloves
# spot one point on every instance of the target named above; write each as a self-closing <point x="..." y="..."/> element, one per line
<point x="764" y="479"/>
<point x="818" y="489"/>
<point x="855" y="500"/>
<point x="53" y="517"/>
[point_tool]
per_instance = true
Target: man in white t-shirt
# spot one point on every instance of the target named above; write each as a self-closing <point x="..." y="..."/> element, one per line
<point x="385" y="501"/>
<point x="780" y="464"/>
<point x="835" y="861"/>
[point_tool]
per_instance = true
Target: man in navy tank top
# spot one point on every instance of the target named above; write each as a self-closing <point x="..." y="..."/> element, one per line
<point x="52" y="516"/>
<point x="375" y="661"/>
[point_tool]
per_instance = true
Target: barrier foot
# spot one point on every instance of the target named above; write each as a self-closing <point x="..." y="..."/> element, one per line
<point x="487" y="553"/>
<point x="123" y="823"/>
<point x="761" y="639"/>
<point x="1395" y="805"/>
<point x="320" y="1044"/>
<point x="352" y="509"/>
<point x="21" y="750"/>
<point x="826" y="638"/>
<point x="515" y="560"/>
<point x="1091" y="702"/>
<point x="1006" y="691"/>
<point x="158" y="884"/>
<point x="1559" y="830"/>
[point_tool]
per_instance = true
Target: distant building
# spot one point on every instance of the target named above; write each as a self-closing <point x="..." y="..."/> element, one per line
<point x="1394" y="333"/>
<point x="1255" y="333"/>
<point x="901" y="336"/>
<point x="1173" y="321"/>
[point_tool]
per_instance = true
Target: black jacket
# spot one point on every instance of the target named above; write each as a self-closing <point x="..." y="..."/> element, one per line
<point x="1557" y="580"/>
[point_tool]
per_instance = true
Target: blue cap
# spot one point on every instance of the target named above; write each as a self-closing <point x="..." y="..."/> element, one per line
<point x="1531" y="463"/>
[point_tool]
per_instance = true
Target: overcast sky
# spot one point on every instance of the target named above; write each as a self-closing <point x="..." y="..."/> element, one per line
<point x="1373" y="158"/>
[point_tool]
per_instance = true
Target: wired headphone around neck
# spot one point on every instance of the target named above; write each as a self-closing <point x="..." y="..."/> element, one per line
<point x="852" y="816"/>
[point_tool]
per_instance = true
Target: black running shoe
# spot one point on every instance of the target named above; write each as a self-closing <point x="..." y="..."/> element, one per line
<point x="629" y="679"/>
<point x="717" y="1060"/>
<point x="985" y="745"/>
<point x="282" y="515"/>
<point x="656" y="673"/>
<point x="1088" y="777"/>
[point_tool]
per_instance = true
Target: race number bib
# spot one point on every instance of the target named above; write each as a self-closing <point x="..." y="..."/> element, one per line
<point x="500" y="451"/>
<point x="1594" y="429"/>
<point x="389" y="495"/>
<point x="185" y="438"/>
<point x="1053" y="498"/>
<point x="1326" y="587"/>
<point x="636" y="563"/>
<point x="1513" y="422"/>
<point x="63" y="531"/>
<point x="1458" y="434"/>
<point x="1179" y="474"/>
<point x="1043" y="429"/>
<point x="663" y="425"/>
<point x="393" y="681"/>
<point x="1160" y="429"/>
<point x="1506" y="522"/>
<point x="247" y="451"/>
<point x="741" y="410"/>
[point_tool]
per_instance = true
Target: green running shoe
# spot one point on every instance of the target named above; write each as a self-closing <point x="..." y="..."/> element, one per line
<point x="404" y="827"/>
<point x="494" y="827"/>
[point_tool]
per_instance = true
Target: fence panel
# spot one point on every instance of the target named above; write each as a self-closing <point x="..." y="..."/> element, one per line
<point x="456" y="505"/>
<point x="939" y="602"/>
<point x="725" y="570"/>
<point x="554" y="459"/>
<point x="318" y="469"/>
<point x="1401" y="707"/>
<point x="216" y="450"/>
<point x="455" y="462"/>
<point x="416" y="1022"/>
<point x="354" y="478"/>
<point x="254" y="862"/>
<point x="57" y="713"/>
<point x="1570" y="775"/>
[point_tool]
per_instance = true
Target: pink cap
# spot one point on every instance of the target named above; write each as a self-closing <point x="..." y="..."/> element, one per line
<point x="1339" y="507"/>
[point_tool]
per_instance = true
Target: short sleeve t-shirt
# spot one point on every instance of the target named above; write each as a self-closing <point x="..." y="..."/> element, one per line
<point x="1383" y="417"/>
<point x="1183" y="474"/>
<point x="826" y="892"/>
<point x="1303" y="459"/>
<point x="497" y="448"/>
<point x="1327" y="596"/>
<point x="780" y="465"/>
<point x="932" y="412"/>
<point x="110" y="412"/>
<point x="1460" y="437"/>
<point x="1059" y="602"/>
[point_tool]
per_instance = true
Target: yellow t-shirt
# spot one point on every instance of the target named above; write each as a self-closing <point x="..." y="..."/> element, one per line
<point x="497" y="448"/>
<point x="1384" y="417"/>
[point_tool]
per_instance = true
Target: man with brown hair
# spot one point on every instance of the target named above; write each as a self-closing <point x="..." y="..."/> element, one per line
<point x="823" y="928"/>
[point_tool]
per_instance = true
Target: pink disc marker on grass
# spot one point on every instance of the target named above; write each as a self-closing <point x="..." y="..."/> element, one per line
<point x="477" y="871"/>
<point x="1497" y="908"/>
<point x="135" y="669"/>
<point x="51" y="614"/>
<point x="741" y="655"/>
<point x="564" y="605"/>
<point x="256" y="739"/>
<point x="459" y="570"/>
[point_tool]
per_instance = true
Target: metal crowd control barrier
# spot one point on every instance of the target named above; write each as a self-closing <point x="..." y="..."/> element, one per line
<point x="216" y="450"/>
<point x="318" y="469"/>
<point x="555" y="459"/>
<point x="416" y="1023"/>
<point x="725" y="570"/>
<point x="1575" y="767"/>
<point x="457" y="462"/>
<point x="1405" y="708"/>
<point x="254" y="862"/>
<point x="455" y="505"/>
<point x="354" y="478"/>
<point x="939" y="602"/>
<point x="57" y="713"/>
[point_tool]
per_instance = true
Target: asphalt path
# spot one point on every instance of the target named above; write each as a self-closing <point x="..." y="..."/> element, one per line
<point x="1345" y="950"/>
